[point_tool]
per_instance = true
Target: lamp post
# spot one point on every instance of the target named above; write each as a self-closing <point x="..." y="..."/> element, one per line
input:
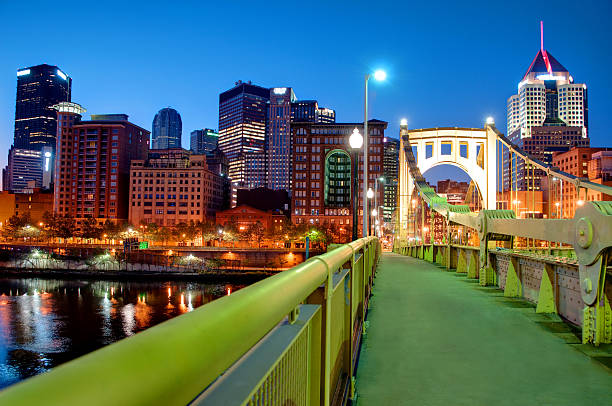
<point x="376" y="207"/>
<point x="378" y="75"/>
<point x="369" y="195"/>
<point x="355" y="142"/>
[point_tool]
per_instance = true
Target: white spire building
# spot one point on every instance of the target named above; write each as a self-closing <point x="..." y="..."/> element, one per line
<point x="547" y="96"/>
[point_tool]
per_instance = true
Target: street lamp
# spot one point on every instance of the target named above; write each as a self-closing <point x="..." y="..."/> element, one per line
<point x="379" y="75"/>
<point x="355" y="142"/>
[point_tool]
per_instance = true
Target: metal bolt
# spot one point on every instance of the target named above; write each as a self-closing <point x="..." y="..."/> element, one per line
<point x="588" y="285"/>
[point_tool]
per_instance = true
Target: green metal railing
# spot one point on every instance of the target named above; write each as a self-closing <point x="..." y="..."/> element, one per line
<point x="315" y="310"/>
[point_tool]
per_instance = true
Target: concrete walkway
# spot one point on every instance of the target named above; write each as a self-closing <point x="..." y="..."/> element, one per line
<point x="436" y="338"/>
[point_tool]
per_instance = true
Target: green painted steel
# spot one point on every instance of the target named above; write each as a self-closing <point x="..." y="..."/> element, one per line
<point x="173" y="362"/>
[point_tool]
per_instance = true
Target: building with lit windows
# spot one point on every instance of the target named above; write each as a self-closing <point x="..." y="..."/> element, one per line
<point x="167" y="129"/>
<point x="549" y="114"/>
<point x="322" y="164"/>
<point x="391" y="174"/>
<point x="203" y="141"/>
<point x="580" y="162"/>
<point x="278" y="138"/>
<point x="28" y="168"/>
<point x="242" y="132"/>
<point x="38" y="88"/>
<point x="174" y="186"/>
<point x="93" y="166"/>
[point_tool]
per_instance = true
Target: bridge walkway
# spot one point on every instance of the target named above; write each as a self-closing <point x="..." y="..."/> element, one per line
<point x="437" y="338"/>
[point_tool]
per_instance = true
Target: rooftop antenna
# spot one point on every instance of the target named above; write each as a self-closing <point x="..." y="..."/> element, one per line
<point x="541" y="35"/>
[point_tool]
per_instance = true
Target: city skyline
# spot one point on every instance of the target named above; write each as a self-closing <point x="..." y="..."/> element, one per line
<point x="423" y="92"/>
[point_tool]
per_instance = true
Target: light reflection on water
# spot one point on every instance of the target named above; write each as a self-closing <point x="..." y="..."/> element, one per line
<point x="45" y="322"/>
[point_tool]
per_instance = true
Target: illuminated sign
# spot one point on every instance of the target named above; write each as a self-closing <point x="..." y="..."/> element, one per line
<point x="23" y="72"/>
<point x="548" y="76"/>
<point x="61" y="74"/>
<point x="280" y="90"/>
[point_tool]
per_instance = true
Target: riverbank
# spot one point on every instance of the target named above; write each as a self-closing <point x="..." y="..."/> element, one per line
<point x="241" y="277"/>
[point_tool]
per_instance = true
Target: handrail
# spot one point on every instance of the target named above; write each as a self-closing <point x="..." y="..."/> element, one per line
<point x="176" y="360"/>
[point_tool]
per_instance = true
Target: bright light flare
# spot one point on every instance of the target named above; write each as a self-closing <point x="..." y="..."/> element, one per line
<point x="380" y="75"/>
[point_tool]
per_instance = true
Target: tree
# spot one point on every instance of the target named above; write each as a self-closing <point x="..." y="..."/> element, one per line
<point x="184" y="231"/>
<point x="111" y="229"/>
<point x="90" y="229"/>
<point x="15" y="223"/>
<point x="256" y="232"/>
<point x="59" y="226"/>
<point x="208" y="231"/>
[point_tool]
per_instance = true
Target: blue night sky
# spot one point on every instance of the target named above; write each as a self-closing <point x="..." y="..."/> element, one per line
<point x="448" y="64"/>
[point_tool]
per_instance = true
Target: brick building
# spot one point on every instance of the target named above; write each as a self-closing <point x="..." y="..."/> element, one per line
<point x="92" y="164"/>
<point x="36" y="204"/>
<point x="576" y="162"/>
<point x="246" y="215"/>
<point x="323" y="170"/>
<point x="173" y="186"/>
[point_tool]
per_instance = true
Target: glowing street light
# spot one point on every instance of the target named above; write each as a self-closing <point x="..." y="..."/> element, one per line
<point x="374" y="213"/>
<point x="403" y="122"/>
<point x="356" y="139"/>
<point x="379" y="75"/>
<point x="356" y="142"/>
<point x="490" y="121"/>
<point x="370" y="193"/>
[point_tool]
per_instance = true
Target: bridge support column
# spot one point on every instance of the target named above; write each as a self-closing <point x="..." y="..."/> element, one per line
<point x="472" y="271"/>
<point x="461" y="261"/>
<point x="513" y="286"/>
<point x="546" y="296"/>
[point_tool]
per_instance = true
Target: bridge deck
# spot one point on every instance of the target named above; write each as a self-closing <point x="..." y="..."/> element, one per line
<point x="437" y="338"/>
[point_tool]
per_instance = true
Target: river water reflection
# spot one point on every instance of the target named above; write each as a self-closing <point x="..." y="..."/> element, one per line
<point x="45" y="322"/>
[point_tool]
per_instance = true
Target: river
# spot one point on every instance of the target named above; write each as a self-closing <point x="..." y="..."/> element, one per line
<point x="46" y="322"/>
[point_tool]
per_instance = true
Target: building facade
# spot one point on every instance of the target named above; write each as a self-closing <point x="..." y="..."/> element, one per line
<point x="391" y="174"/>
<point x="93" y="166"/>
<point x="203" y="141"/>
<point x="576" y="162"/>
<point x="38" y="88"/>
<point x="244" y="216"/>
<point x="323" y="171"/>
<point x="242" y="132"/>
<point x="278" y="138"/>
<point x="35" y="204"/>
<point x="173" y="186"/>
<point x="28" y="168"/>
<point x="167" y="129"/>
<point x="548" y="114"/>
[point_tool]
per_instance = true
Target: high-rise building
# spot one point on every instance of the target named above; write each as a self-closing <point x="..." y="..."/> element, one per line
<point x="242" y="132"/>
<point x="38" y="88"/>
<point x="167" y="129"/>
<point x="28" y="169"/>
<point x="92" y="168"/>
<point x="391" y="174"/>
<point x="548" y="114"/>
<point x="310" y="112"/>
<point x="203" y="141"/>
<point x="323" y="170"/>
<point x="173" y="186"/>
<point x="278" y="138"/>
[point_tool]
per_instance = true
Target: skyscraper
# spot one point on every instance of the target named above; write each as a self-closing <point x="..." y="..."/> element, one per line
<point x="167" y="129"/>
<point x="278" y="138"/>
<point x="38" y="88"/>
<point x="548" y="114"/>
<point x="204" y="141"/>
<point x="391" y="174"/>
<point x="242" y="132"/>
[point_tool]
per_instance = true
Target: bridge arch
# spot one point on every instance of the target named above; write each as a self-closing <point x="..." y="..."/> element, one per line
<point x="470" y="149"/>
